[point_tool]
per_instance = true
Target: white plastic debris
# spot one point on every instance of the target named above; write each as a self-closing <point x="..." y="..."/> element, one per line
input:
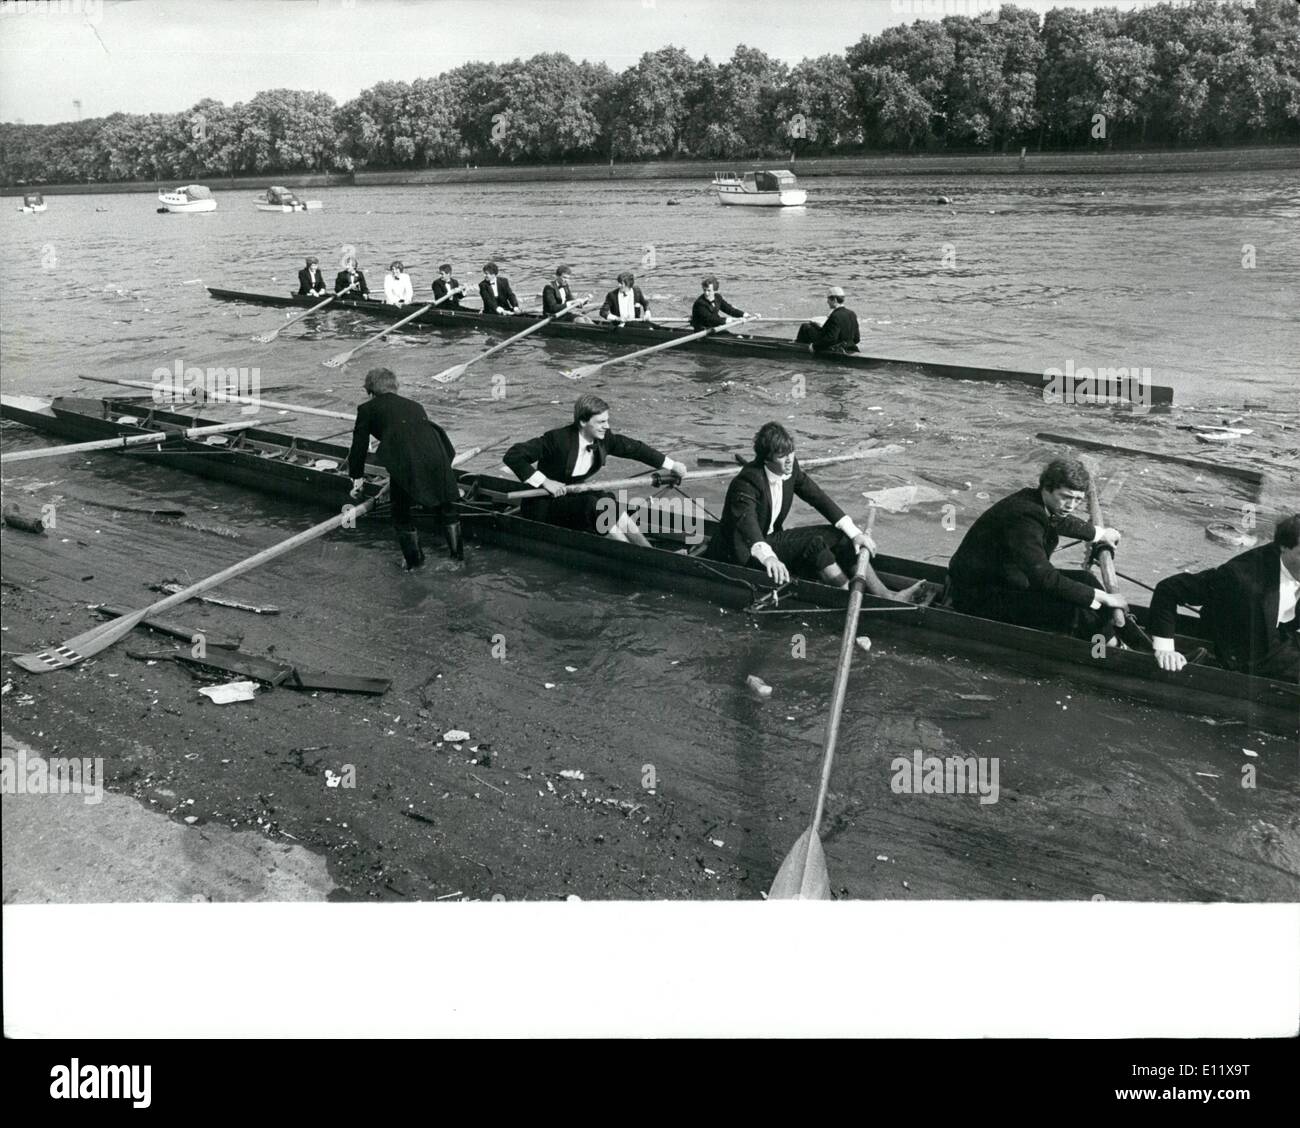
<point x="572" y="773"/>
<point x="758" y="685"/>
<point x="549" y="685"/>
<point x="571" y="669"/>
<point x="717" y="841"/>
<point x="230" y="692"/>
<point x="864" y="643"/>
<point x="1250" y="752"/>
<point x="455" y="736"/>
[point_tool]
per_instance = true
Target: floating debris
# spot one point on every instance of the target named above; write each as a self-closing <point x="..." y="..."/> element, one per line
<point x="572" y="773"/>
<point x="230" y="692"/>
<point x="455" y="736"/>
<point x="758" y="686"/>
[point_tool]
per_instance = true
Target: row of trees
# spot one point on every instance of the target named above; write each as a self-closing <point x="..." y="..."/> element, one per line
<point x="1204" y="72"/>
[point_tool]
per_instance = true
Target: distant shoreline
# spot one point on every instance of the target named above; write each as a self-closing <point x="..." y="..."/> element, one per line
<point x="935" y="165"/>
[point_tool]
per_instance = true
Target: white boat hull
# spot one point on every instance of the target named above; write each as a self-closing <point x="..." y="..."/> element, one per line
<point x="792" y="198"/>
<point x="307" y="205"/>
<point x="32" y="208"/>
<point x="175" y="202"/>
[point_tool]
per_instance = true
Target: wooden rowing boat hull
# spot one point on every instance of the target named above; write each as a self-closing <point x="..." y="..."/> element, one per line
<point x="718" y="344"/>
<point x="278" y="464"/>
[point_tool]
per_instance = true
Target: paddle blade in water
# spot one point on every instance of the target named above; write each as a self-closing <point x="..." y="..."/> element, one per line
<point x="338" y="361"/>
<point x="802" y="876"/>
<point x="584" y="371"/>
<point x="266" y="338"/>
<point x="453" y="373"/>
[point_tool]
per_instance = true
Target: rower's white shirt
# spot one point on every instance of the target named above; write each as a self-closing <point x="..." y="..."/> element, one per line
<point x="627" y="305"/>
<point x="492" y="281"/>
<point x="397" y="289"/>
<point x="582" y="464"/>
<point x="762" y="551"/>
<point x="1288" y="595"/>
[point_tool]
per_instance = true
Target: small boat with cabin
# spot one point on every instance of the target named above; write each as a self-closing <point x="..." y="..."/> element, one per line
<point x="279" y="199"/>
<point x="32" y="202"/>
<point x="190" y="198"/>
<point x="775" y="188"/>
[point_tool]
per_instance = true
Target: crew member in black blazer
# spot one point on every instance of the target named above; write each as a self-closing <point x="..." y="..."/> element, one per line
<point x="417" y="454"/>
<point x="311" y="282"/>
<point x="711" y="309"/>
<point x="445" y="284"/>
<point x="838" y="332"/>
<point x="1003" y="568"/>
<point x="1248" y="607"/>
<point x="752" y="530"/>
<point x="625" y="302"/>
<point x="569" y="455"/>
<point x="350" y="275"/>
<point x="557" y="294"/>
<point x="496" y="293"/>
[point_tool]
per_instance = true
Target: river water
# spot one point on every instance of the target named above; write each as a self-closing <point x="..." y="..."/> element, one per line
<point x="1103" y="795"/>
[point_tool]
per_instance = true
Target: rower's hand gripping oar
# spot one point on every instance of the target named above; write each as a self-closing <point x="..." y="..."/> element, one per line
<point x="1104" y="555"/>
<point x="342" y="358"/>
<point x="587" y="369"/>
<point x="803" y="875"/>
<point x="458" y="370"/>
<point x="267" y="338"/>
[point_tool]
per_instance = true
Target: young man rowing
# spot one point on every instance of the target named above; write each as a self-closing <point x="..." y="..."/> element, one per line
<point x="569" y="455"/>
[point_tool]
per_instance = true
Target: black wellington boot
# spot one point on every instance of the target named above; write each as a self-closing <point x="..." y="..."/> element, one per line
<point x="455" y="546"/>
<point x="409" y="540"/>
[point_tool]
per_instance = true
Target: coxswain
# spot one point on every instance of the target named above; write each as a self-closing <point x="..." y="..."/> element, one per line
<point x="496" y="293"/>
<point x="837" y="332"/>
<point x="397" y="285"/>
<point x="1248" y="608"/>
<point x="752" y="531"/>
<point x="558" y="293"/>
<point x="311" y="282"/>
<point x="352" y="276"/>
<point x="445" y="284"/>
<point x="626" y="302"/>
<point x="417" y="454"/>
<point x="569" y="455"/>
<point x="711" y="309"/>
<point x="1003" y="567"/>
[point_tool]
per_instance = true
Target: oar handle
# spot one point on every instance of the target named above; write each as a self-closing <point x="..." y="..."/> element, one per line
<point x="1103" y="554"/>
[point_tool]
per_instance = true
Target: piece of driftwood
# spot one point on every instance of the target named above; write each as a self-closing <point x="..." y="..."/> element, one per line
<point x="165" y="626"/>
<point x="19" y="520"/>
<point x="1241" y="472"/>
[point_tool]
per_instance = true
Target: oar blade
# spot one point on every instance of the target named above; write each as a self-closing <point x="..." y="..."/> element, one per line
<point x="338" y="361"/>
<point x="447" y="375"/>
<point x="803" y="875"/>
<point x="582" y="372"/>
<point x="266" y="338"/>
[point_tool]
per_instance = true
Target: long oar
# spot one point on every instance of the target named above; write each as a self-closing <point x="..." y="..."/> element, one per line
<point x="588" y="369"/>
<point x="226" y="397"/>
<point x="99" y="638"/>
<point x="267" y="338"/>
<point x="803" y="876"/>
<point x="1105" y="555"/>
<point x="124" y="441"/>
<point x="457" y="370"/>
<point x="342" y="358"/>
<point x="693" y="475"/>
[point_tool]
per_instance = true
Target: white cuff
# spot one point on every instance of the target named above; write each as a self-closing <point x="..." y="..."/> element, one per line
<point x="667" y="464"/>
<point x="1097" y="535"/>
<point x="1095" y="605"/>
<point x="1165" y="645"/>
<point x="536" y="478"/>
<point x="846" y="525"/>
<point x="762" y="552"/>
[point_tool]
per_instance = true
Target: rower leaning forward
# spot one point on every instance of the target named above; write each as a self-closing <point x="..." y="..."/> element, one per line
<point x="570" y="455"/>
<point x="752" y="530"/>
<point x="417" y="454"/>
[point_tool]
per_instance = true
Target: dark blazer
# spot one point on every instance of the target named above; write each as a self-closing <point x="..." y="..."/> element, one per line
<point x="1010" y="547"/>
<point x="440" y="287"/>
<point x="415" y="450"/>
<point x="1238" y="602"/>
<point x="346" y="278"/>
<point x="838" y="333"/>
<point x="556" y="452"/>
<point x="552" y="302"/>
<point x="306" y="283"/>
<point x="747" y="510"/>
<point x="504" y="302"/>
<point x="705" y="314"/>
<point x="611" y="302"/>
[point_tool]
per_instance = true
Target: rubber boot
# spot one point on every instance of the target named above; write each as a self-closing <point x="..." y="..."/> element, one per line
<point x="409" y="540"/>
<point x="455" y="546"/>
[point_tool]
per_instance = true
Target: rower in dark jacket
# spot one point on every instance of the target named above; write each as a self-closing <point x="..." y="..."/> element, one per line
<point x="711" y="309"/>
<point x="417" y="454"/>
<point x="445" y="284"/>
<point x="570" y="455"/>
<point x="752" y="530"/>
<point x="1003" y="568"/>
<point x="1248" y="608"/>
<point x="558" y="293"/>
<point x="350" y="275"/>
<point x="311" y="282"/>
<point x="838" y="332"/>
<point x="496" y="293"/>
<point x="625" y="302"/>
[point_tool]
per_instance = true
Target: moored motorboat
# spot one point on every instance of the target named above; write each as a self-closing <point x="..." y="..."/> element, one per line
<point x="312" y="473"/>
<point x="773" y="188"/>
<point x="187" y="199"/>
<point x="32" y="202"/>
<point x="279" y="199"/>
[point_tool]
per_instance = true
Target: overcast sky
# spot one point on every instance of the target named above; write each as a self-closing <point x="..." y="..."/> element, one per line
<point x="142" y="56"/>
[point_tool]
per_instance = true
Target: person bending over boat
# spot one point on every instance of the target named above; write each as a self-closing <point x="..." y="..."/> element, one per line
<point x="397" y="286"/>
<point x="1003" y="567"/>
<point x="445" y="284"/>
<point x="557" y="294"/>
<point x="569" y="455"/>
<point x="417" y="454"/>
<point x="837" y="332"/>
<point x="711" y="309"/>
<point x="311" y="282"/>
<point x="350" y="275"/>
<point x="626" y="302"/>
<point x="496" y="293"/>
<point x="752" y="530"/>
<point x="1248" y="608"/>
